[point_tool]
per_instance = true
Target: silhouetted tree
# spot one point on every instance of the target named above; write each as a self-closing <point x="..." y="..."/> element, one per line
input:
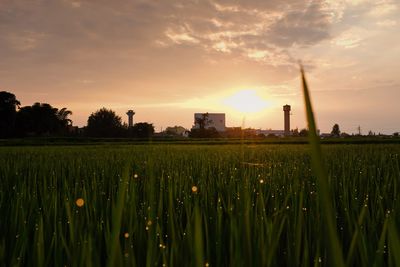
<point x="8" y="113"/>
<point x="343" y="134"/>
<point x="62" y="116"/>
<point x="203" y="131"/>
<point x="104" y="123"/>
<point x="142" y="130"/>
<point x="203" y="121"/>
<point x="41" y="119"/>
<point x="303" y="132"/>
<point x="335" y="130"/>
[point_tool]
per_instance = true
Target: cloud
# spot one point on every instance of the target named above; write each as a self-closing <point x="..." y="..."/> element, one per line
<point x="181" y="36"/>
<point x="351" y="38"/>
<point x="137" y="38"/>
<point x="74" y="3"/>
<point x="383" y="7"/>
<point x="224" y="46"/>
<point x="387" y="23"/>
<point x="24" y="41"/>
<point x="242" y="29"/>
<point x="301" y="27"/>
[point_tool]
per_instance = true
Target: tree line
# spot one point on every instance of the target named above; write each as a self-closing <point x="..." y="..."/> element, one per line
<point x="42" y="119"/>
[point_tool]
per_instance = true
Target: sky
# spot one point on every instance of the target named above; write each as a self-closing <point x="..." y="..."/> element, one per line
<point x="169" y="59"/>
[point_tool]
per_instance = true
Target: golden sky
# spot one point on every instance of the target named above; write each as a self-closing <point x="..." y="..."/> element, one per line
<point x="169" y="59"/>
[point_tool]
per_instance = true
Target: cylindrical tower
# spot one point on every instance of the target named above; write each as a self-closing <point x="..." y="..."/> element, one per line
<point x="286" y="110"/>
<point x="130" y="114"/>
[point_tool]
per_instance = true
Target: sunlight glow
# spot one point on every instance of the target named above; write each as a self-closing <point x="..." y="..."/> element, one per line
<point x="246" y="101"/>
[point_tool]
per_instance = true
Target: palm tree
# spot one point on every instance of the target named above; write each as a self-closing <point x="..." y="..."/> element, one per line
<point x="62" y="116"/>
<point x="43" y="119"/>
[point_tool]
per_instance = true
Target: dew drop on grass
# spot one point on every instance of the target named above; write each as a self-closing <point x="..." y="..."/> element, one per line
<point x="80" y="202"/>
<point x="194" y="189"/>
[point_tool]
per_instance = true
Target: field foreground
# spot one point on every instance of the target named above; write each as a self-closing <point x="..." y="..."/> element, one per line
<point x="195" y="205"/>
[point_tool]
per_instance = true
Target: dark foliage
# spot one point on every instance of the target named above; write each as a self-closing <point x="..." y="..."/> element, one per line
<point x="204" y="133"/>
<point x="104" y="123"/>
<point x="303" y="132"/>
<point x="8" y="113"/>
<point x="141" y="130"/>
<point x="42" y="119"/>
<point x="335" y="130"/>
<point x="203" y="121"/>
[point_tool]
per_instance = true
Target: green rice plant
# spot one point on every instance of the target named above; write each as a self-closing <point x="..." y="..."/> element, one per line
<point x="324" y="192"/>
<point x="114" y="254"/>
<point x="253" y="205"/>
<point x="394" y="243"/>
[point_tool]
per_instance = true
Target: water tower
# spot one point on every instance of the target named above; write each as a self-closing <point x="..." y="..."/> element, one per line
<point x="130" y="114"/>
<point x="286" y="110"/>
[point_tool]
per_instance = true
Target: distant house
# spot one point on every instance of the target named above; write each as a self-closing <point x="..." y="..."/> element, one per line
<point x="212" y="120"/>
<point x="176" y="130"/>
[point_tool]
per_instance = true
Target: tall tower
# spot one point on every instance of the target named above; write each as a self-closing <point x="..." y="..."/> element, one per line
<point x="130" y="114"/>
<point x="286" y="110"/>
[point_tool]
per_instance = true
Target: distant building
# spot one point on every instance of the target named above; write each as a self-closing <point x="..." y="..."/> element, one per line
<point x="130" y="114"/>
<point x="216" y="120"/>
<point x="286" y="110"/>
<point x="176" y="130"/>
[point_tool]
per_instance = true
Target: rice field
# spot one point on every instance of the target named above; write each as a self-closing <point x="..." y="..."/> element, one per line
<point x="196" y="205"/>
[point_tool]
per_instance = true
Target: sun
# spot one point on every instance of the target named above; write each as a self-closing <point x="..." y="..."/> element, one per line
<point x="246" y="101"/>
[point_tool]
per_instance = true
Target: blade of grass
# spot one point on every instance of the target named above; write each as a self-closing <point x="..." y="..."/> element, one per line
<point x="324" y="196"/>
<point x="198" y="238"/>
<point x="394" y="242"/>
<point x="381" y="245"/>
<point x="355" y="238"/>
<point x="117" y="219"/>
